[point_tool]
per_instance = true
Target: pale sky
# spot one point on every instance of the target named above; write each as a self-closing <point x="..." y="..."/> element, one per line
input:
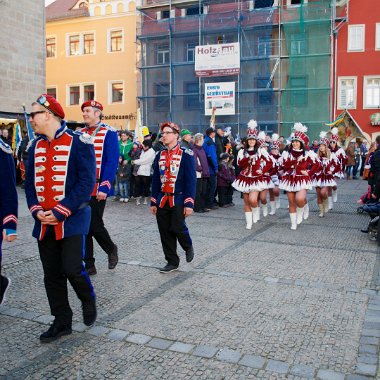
<point x="47" y="2"/>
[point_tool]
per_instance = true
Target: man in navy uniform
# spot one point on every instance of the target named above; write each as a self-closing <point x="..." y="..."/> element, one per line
<point x="173" y="192"/>
<point x="59" y="181"/>
<point x="8" y="207"/>
<point x="107" y="158"/>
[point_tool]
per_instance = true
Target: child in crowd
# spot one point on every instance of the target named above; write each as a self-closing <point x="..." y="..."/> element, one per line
<point x="134" y="154"/>
<point x="123" y="178"/>
<point x="226" y="175"/>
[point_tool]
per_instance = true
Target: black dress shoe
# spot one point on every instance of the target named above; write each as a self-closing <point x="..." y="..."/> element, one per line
<point x="113" y="258"/>
<point x="91" y="271"/>
<point x="168" y="268"/>
<point x="55" y="332"/>
<point x="364" y="230"/>
<point x="89" y="312"/>
<point x="190" y="254"/>
<point x="5" y="282"/>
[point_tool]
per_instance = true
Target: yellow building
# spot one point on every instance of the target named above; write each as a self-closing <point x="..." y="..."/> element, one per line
<point x="91" y="54"/>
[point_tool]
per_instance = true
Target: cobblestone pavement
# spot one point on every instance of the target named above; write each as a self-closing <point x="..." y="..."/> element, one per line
<point x="269" y="303"/>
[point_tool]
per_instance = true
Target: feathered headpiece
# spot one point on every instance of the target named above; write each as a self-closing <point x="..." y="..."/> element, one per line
<point x="252" y="129"/>
<point x="323" y="139"/>
<point x="275" y="143"/>
<point x="261" y="138"/>
<point x="300" y="134"/>
<point x="334" y="135"/>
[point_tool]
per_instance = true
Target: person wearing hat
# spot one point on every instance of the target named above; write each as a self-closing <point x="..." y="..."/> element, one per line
<point x="225" y="178"/>
<point x="254" y="179"/>
<point x="298" y="166"/>
<point x="58" y="185"/>
<point x="274" y="192"/>
<point x="8" y="207"/>
<point x="212" y="159"/>
<point x="186" y="139"/>
<point x="324" y="176"/>
<point x="173" y="193"/>
<point x="220" y="141"/>
<point x="107" y="159"/>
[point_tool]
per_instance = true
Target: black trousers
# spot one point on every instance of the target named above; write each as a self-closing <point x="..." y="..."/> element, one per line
<point x="200" y="196"/>
<point x="98" y="231"/>
<point x="172" y="227"/>
<point x="62" y="261"/>
<point x="142" y="186"/>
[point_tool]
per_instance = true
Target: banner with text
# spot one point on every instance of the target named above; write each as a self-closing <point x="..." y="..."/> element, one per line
<point x="221" y="96"/>
<point x="217" y="60"/>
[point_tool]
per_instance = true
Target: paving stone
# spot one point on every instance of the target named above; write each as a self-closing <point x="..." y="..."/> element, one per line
<point x="44" y="319"/>
<point x="252" y="361"/>
<point x="271" y="280"/>
<point x="227" y="355"/>
<point x="303" y="371"/>
<point x="366" y="369"/>
<point x="369" y="340"/>
<point x="371" y="332"/>
<point x="117" y="334"/>
<point x="206" y="351"/>
<point x="325" y="374"/>
<point x="367" y="359"/>
<point x="368" y="349"/>
<point x="79" y="327"/>
<point x="139" y="338"/>
<point x="181" y="347"/>
<point x="98" y="330"/>
<point x="13" y="312"/>
<point x="134" y="262"/>
<point x="277" y="366"/>
<point x="159" y="343"/>
<point x="358" y="377"/>
<point x="30" y="315"/>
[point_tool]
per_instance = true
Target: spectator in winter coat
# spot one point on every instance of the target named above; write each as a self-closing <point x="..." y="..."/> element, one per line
<point x="210" y="149"/>
<point x="226" y="175"/>
<point x="350" y="151"/>
<point x="123" y="177"/>
<point x="186" y="139"/>
<point x="203" y="173"/>
<point x="220" y="141"/>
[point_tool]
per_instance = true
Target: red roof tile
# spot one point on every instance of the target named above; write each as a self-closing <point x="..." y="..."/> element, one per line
<point x="61" y="9"/>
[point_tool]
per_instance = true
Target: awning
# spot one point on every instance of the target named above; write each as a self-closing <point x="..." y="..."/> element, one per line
<point x="7" y="121"/>
<point x="375" y="118"/>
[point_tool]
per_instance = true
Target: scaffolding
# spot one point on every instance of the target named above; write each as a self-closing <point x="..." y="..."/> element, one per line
<point x="285" y="61"/>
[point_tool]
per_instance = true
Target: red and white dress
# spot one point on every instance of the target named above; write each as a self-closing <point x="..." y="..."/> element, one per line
<point x="292" y="163"/>
<point x="341" y="156"/>
<point x="325" y="176"/>
<point x="275" y="177"/>
<point x="250" y="163"/>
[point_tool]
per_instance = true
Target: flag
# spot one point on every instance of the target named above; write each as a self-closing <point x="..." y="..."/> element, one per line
<point x="28" y="126"/>
<point x="212" y="120"/>
<point x="16" y="138"/>
<point x="138" y="132"/>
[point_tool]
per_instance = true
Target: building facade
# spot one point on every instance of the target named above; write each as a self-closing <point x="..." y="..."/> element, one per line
<point x="358" y="66"/>
<point x="90" y="54"/>
<point x="22" y="56"/>
<point x="285" y="61"/>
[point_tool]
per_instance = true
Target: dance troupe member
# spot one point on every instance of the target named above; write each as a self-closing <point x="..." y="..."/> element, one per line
<point x="342" y="158"/>
<point x="297" y="166"/>
<point x="274" y="193"/>
<point x="324" y="177"/>
<point x="254" y="163"/>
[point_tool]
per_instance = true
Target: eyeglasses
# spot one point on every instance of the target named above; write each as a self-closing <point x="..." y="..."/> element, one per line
<point x="32" y="114"/>
<point x="166" y="133"/>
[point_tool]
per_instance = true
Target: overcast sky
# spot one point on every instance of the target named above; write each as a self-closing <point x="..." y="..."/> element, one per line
<point x="47" y="2"/>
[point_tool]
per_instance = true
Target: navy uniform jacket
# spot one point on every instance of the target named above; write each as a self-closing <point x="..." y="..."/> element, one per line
<point x="8" y="193"/>
<point x="107" y="156"/>
<point x="60" y="177"/>
<point x="174" y="178"/>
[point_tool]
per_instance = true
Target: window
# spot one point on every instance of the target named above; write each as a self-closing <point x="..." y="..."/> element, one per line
<point x="263" y="4"/>
<point x="296" y="2"/>
<point x="74" y="95"/>
<point x="116" y="40"/>
<point x="193" y="11"/>
<point x="50" y="47"/>
<point x="162" y="100"/>
<point x="165" y="14"/>
<point x="298" y="44"/>
<point x="190" y="51"/>
<point x="191" y="100"/>
<point x="88" y="43"/>
<point x="355" y="38"/>
<point x="264" y="96"/>
<point x="298" y="97"/>
<point x="347" y="92"/>
<point x="372" y="92"/>
<point x="264" y="46"/>
<point x="117" y="90"/>
<point x="81" y="43"/>
<point x="88" y="92"/>
<point x="52" y="91"/>
<point x="162" y="55"/>
<point x="377" y="43"/>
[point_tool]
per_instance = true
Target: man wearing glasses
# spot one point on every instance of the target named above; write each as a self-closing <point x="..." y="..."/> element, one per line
<point x="107" y="159"/>
<point x="173" y="192"/>
<point x="59" y="181"/>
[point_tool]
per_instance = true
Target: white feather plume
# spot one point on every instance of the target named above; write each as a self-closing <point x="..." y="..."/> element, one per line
<point x="299" y="127"/>
<point x="323" y="135"/>
<point x="275" y="137"/>
<point x="252" y="124"/>
<point x="261" y="135"/>
<point x="334" y="131"/>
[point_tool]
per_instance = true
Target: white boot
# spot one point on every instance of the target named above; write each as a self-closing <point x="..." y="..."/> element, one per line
<point x="248" y="219"/>
<point x="293" y="221"/>
<point x="272" y="207"/>
<point x="325" y="206"/>
<point x="321" y="210"/>
<point x="145" y="201"/>
<point x="138" y="199"/>
<point x="306" y="211"/>
<point x="330" y="202"/>
<point x="335" y="195"/>
<point x="265" y="210"/>
<point x="278" y="202"/>
<point x="299" y="214"/>
<point x="255" y="214"/>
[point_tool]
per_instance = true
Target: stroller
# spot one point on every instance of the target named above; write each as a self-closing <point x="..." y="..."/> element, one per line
<point x="373" y="210"/>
